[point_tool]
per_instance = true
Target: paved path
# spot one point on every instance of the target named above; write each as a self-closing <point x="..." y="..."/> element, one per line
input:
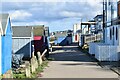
<point x="71" y="63"/>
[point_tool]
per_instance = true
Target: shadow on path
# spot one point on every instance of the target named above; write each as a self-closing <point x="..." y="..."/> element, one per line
<point x="70" y="54"/>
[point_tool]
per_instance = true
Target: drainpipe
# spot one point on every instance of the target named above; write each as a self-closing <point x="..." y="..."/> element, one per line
<point x="112" y="13"/>
<point x="104" y="18"/>
<point x="103" y="21"/>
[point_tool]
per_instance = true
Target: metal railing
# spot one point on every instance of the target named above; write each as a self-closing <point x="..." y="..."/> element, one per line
<point x="86" y="39"/>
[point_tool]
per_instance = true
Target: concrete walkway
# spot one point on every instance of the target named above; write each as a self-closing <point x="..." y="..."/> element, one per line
<point x="71" y="63"/>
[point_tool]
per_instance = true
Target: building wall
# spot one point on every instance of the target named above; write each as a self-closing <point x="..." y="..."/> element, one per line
<point x="112" y="35"/>
<point x="76" y="27"/>
<point x="39" y="44"/>
<point x="115" y="36"/>
<point x="107" y="35"/>
<point x="7" y="49"/>
<point x="22" y="46"/>
<point x="114" y="8"/>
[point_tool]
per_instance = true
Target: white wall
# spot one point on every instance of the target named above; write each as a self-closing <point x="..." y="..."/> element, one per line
<point x="115" y="35"/>
<point x="0" y="56"/>
<point x="75" y="28"/>
<point x="107" y="35"/>
<point x="119" y="35"/>
<point x="0" y="49"/>
<point x="114" y="2"/>
<point x="22" y="45"/>
<point x="113" y="40"/>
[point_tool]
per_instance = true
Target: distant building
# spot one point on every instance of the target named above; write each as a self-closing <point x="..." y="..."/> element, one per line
<point x="99" y="23"/>
<point x="60" y="33"/>
<point x="5" y="43"/>
<point x="76" y="32"/>
<point x="47" y="32"/>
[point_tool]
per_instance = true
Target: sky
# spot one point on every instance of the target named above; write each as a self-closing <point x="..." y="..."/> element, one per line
<point x="58" y="15"/>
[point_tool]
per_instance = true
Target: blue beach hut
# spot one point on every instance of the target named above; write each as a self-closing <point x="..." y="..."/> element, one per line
<point x="6" y="43"/>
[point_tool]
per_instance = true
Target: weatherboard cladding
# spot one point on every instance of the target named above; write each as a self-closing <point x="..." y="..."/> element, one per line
<point x="22" y="46"/>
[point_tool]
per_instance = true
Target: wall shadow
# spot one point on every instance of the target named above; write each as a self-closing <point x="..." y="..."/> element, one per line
<point x="25" y="50"/>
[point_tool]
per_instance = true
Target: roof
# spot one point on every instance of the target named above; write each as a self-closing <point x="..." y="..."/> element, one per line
<point x="4" y="19"/>
<point x="22" y="31"/>
<point x="61" y="34"/>
<point x="38" y="30"/>
<point x="88" y="23"/>
<point x="98" y="16"/>
<point x="1" y="31"/>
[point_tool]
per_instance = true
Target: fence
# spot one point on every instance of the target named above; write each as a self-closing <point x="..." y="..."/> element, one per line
<point x="107" y="52"/>
<point x="104" y="52"/>
<point x="86" y="39"/>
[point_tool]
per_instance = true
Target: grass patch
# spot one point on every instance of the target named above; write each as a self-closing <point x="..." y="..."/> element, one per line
<point x="50" y="59"/>
<point x="39" y="69"/>
<point x="19" y="75"/>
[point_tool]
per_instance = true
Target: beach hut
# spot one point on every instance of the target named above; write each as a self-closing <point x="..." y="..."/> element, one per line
<point x="39" y="38"/>
<point x="5" y="43"/>
<point x="22" y="41"/>
<point x="41" y="34"/>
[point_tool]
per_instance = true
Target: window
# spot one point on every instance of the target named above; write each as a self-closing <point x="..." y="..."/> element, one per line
<point x="110" y="34"/>
<point x="113" y="30"/>
<point x="116" y="33"/>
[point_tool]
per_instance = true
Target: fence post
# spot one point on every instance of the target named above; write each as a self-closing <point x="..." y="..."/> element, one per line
<point x="32" y="64"/>
<point x="36" y="62"/>
<point x="39" y="58"/>
<point x="27" y="70"/>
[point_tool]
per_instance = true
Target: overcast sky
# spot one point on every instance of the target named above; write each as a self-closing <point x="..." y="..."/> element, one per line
<point x="57" y="14"/>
